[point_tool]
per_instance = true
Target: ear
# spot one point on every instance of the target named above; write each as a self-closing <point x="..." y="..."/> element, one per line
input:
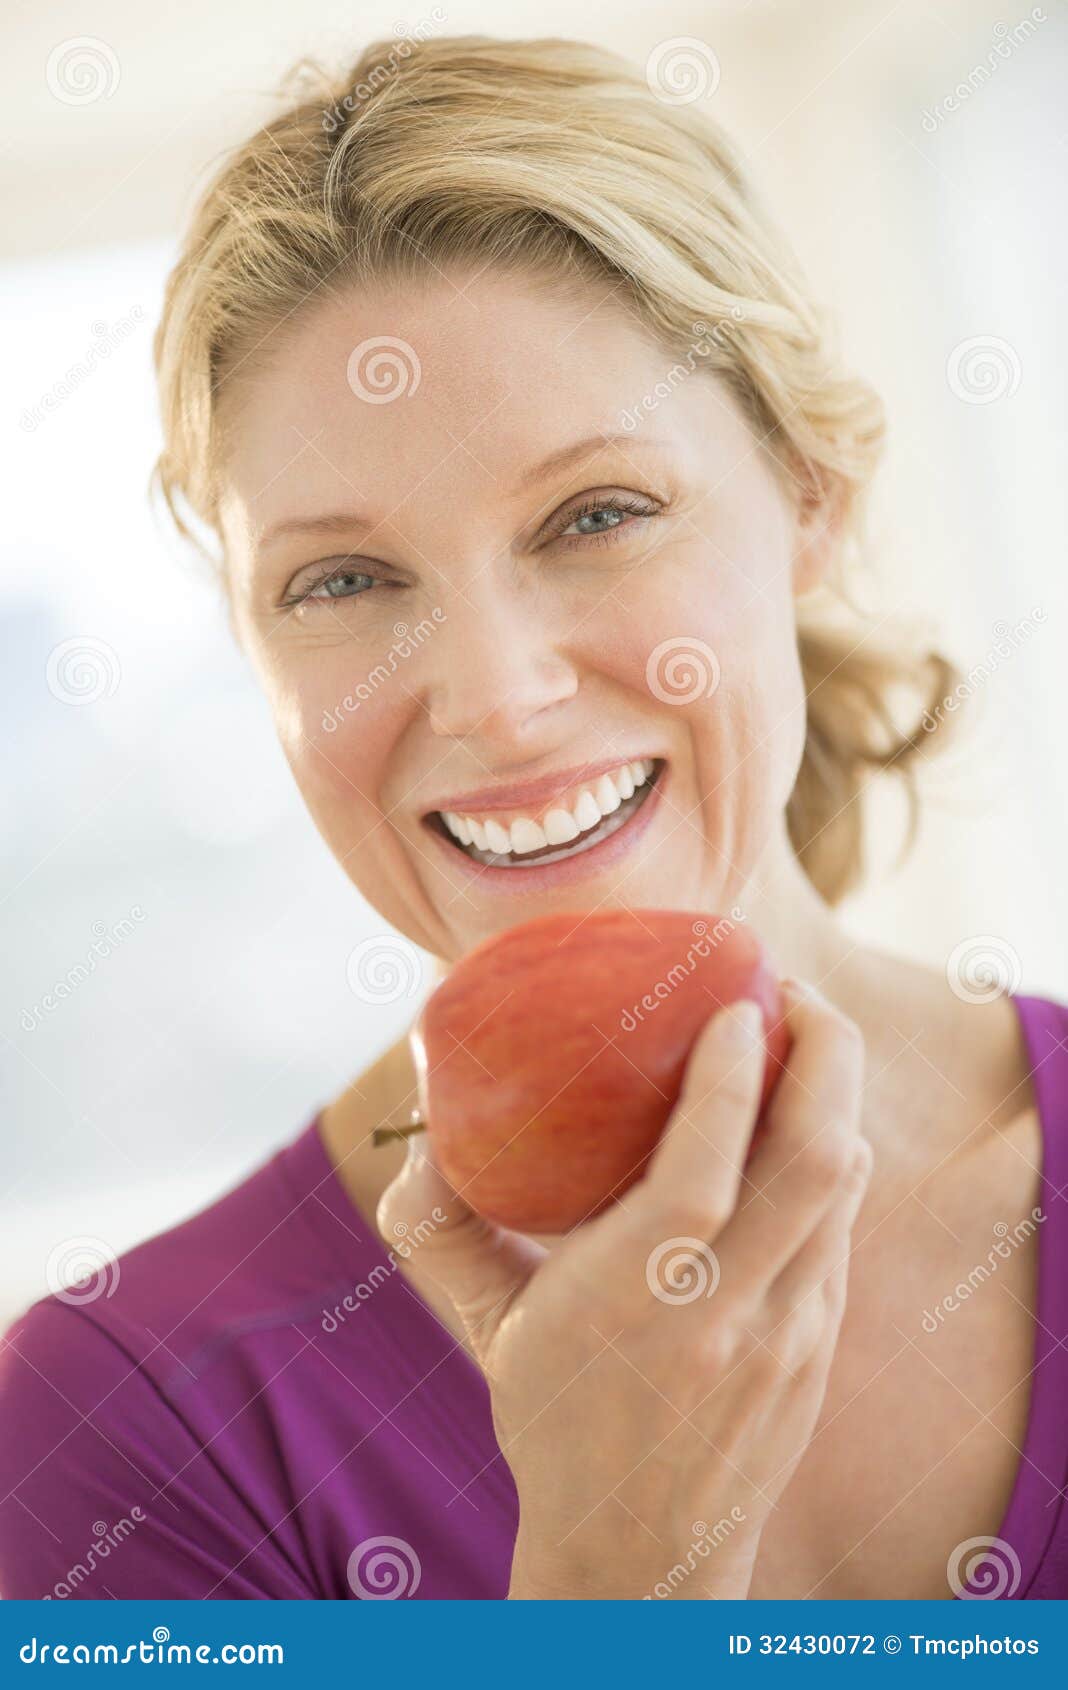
<point x="817" y="533"/>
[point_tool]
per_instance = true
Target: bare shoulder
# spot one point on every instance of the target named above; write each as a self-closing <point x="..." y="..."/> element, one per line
<point x="949" y="1099"/>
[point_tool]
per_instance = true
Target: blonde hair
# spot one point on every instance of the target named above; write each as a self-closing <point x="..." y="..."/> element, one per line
<point x="555" y="156"/>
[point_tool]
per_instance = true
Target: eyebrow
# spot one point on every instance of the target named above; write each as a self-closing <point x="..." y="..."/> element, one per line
<point x="335" y="522"/>
<point x="332" y="522"/>
<point x="583" y="448"/>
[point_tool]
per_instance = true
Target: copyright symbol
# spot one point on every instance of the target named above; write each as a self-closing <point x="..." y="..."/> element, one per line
<point x="891" y="1644"/>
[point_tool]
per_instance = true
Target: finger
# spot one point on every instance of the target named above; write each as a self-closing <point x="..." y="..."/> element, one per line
<point x="691" y="1185"/>
<point x="802" y="1312"/>
<point x="816" y="1268"/>
<point x="481" y="1267"/>
<point x="812" y="1132"/>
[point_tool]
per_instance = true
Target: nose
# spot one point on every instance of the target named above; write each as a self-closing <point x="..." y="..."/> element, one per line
<point x="498" y="670"/>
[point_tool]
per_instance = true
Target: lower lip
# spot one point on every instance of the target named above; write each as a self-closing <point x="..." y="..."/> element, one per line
<point x="521" y="881"/>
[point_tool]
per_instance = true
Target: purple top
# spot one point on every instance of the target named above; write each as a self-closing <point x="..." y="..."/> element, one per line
<point x="216" y="1423"/>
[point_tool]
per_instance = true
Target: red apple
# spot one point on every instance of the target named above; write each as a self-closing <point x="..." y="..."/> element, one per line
<point x="551" y="1056"/>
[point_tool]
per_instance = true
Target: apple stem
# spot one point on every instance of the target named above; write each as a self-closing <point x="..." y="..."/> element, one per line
<point x="387" y="1135"/>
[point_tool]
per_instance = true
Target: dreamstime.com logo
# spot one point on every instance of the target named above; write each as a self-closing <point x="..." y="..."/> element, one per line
<point x="105" y="1539"/>
<point x="408" y="1240"/>
<point x="380" y="74"/>
<point x="82" y="670"/>
<point x="1006" y="41"/>
<point x="681" y="1270"/>
<point x="105" y="941"/>
<point x="1008" y="1240"/>
<point x="82" y="70"/>
<point x="682" y="70"/>
<point x="1007" y="642"/>
<point x="983" y="968"/>
<point x="81" y="1270"/>
<point x="682" y="670"/>
<point x="983" y="369"/>
<point x="384" y="368"/>
<point x="705" y="1540"/>
<point x="405" y="641"/>
<point x="383" y="1569"/>
<point x="719" y="336"/>
<point x="705" y="940"/>
<point x="988" y="1563"/>
<point x="159" y="1651"/>
<point x="107" y="337"/>
<point x="384" y="969"/>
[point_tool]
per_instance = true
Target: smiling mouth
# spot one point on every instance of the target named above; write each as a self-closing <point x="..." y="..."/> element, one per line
<point x="581" y="819"/>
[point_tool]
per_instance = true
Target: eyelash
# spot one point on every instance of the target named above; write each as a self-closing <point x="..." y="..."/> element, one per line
<point x="628" y="505"/>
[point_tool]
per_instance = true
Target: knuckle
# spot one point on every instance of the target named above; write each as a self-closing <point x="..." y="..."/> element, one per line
<point x="715" y="1350"/>
<point x="691" y="1214"/>
<point x="834" y="1288"/>
<point x="799" y="1331"/>
<point x="863" y="1161"/>
<point x="826" y="1155"/>
<point x="768" y="1365"/>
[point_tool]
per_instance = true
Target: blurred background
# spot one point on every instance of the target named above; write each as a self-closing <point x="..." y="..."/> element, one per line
<point x="187" y="974"/>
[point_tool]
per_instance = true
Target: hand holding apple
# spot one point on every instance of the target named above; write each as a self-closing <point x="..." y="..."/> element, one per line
<point x="595" y="1360"/>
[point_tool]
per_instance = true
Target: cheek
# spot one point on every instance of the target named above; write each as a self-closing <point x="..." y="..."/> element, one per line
<point x="713" y="649"/>
<point x="699" y="635"/>
<point x="338" y="729"/>
<point x="342" y="728"/>
<point x="749" y="734"/>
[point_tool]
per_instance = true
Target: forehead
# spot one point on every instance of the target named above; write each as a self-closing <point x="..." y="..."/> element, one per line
<point x="422" y="384"/>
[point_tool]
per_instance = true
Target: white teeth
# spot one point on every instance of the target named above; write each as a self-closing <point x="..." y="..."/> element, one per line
<point x="592" y="806"/>
<point x="587" y="811"/>
<point x="458" y="825"/>
<point x="560" y="827"/>
<point x="607" y="795"/>
<point x="528" y="836"/>
<point x="497" y="837"/>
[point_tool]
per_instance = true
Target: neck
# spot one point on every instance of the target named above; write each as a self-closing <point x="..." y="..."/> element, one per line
<point x="799" y="928"/>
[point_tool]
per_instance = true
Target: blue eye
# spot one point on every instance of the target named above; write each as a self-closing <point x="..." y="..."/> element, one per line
<point x="339" y="580"/>
<point x="323" y="590"/>
<point x="605" y="514"/>
<point x="613" y="511"/>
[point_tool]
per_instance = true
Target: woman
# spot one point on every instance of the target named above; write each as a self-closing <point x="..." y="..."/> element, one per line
<point x="503" y="401"/>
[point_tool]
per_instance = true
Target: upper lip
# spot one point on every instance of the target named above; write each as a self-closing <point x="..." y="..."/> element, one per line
<point x="533" y="792"/>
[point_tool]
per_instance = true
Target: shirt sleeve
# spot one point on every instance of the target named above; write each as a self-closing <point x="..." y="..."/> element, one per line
<point x="105" y="1491"/>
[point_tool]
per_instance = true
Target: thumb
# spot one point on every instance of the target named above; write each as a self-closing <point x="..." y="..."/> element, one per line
<point x="481" y="1267"/>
